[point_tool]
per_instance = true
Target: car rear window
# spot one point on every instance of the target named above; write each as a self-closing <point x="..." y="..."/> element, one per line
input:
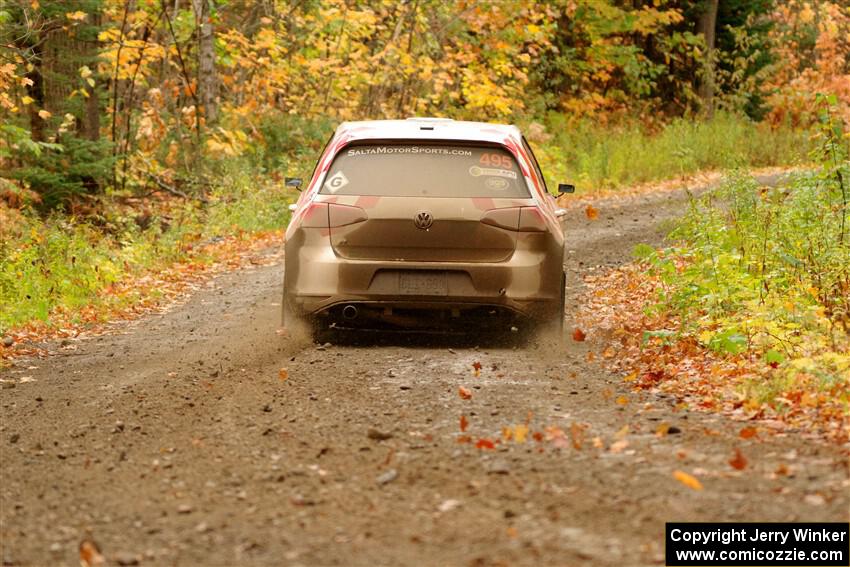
<point x="422" y="170"/>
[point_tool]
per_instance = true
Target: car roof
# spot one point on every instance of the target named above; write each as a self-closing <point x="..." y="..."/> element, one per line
<point x="428" y="129"/>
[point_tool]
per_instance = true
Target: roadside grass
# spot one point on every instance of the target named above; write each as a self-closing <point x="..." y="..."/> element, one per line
<point x="749" y="311"/>
<point x="78" y="267"/>
<point x="595" y="157"/>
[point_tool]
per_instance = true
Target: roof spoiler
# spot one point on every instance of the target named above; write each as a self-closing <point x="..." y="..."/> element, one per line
<point x="429" y="119"/>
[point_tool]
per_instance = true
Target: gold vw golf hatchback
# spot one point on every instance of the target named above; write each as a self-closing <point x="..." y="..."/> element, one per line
<point x="425" y="224"/>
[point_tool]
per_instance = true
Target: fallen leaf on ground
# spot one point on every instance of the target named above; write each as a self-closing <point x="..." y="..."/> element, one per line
<point x="622" y="400"/>
<point x="520" y="433"/>
<point x="739" y="461"/>
<point x="90" y="554"/>
<point x="748" y="433"/>
<point x="577" y="435"/>
<point x="578" y="335"/>
<point x="283" y="374"/>
<point x="591" y="212"/>
<point x="557" y="436"/>
<point x="464" y="393"/>
<point x="485" y="444"/>
<point x="662" y="429"/>
<point x="476" y="365"/>
<point x="464" y="423"/>
<point x="688" y="480"/>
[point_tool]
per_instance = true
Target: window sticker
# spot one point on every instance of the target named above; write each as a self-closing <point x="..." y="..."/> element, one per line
<point x="336" y="182"/>
<point x="381" y="150"/>
<point x="497" y="160"/>
<point x="496" y="183"/>
<point x="476" y="171"/>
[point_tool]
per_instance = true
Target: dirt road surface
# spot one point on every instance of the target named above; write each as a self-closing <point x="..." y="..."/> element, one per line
<point x="176" y="442"/>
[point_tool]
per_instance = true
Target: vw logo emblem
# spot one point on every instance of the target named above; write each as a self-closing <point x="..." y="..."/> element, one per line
<point x="423" y="220"/>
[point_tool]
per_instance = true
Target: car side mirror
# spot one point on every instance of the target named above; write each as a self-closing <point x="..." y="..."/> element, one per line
<point x="293" y="182"/>
<point x="566" y="188"/>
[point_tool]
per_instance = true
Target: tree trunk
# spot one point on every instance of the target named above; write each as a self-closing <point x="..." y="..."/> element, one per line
<point x="207" y="82"/>
<point x="35" y="90"/>
<point x="707" y="28"/>
<point x="91" y="115"/>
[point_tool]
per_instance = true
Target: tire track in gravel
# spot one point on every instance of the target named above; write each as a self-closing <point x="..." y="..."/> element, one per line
<point x="176" y="442"/>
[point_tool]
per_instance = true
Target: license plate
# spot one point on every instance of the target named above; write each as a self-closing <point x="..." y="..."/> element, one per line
<point x="422" y="283"/>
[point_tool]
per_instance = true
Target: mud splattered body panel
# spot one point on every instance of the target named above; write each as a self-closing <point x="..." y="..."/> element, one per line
<point x="424" y="215"/>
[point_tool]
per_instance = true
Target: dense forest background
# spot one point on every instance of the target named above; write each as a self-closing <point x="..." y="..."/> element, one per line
<point x="106" y="95"/>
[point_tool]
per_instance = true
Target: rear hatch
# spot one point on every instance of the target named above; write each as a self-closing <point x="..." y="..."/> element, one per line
<point x="424" y="203"/>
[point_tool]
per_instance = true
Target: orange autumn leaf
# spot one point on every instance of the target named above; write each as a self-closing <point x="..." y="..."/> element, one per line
<point x="577" y="435"/>
<point x="464" y="423"/>
<point x="464" y="393"/>
<point x="622" y="400"/>
<point x="748" y="433"/>
<point x="688" y="480"/>
<point x="90" y="555"/>
<point x="738" y="462"/>
<point x="485" y="444"/>
<point x="283" y="374"/>
<point x="591" y="212"/>
<point x="476" y="365"/>
<point x="578" y="335"/>
<point x="464" y="439"/>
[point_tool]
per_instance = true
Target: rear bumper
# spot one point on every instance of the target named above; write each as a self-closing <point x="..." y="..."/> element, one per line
<point x="528" y="284"/>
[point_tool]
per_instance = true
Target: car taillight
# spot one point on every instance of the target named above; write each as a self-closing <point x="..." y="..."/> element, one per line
<point x="532" y="220"/>
<point x="343" y="215"/>
<point x="522" y="219"/>
<point x="331" y="215"/>
<point x="315" y="216"/>
<point x="503" y="218"/>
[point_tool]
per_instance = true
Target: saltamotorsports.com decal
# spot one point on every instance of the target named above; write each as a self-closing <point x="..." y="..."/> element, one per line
<point x="380" y="150"/>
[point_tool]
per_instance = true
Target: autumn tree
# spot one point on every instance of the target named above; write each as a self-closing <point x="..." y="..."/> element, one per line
<point x="62" y="96"/>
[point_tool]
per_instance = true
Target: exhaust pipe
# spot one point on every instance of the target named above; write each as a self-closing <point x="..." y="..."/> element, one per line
<point x="349" y="312"/>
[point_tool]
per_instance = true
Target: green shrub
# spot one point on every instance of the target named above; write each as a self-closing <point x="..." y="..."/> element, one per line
<point x="766" y="271"/>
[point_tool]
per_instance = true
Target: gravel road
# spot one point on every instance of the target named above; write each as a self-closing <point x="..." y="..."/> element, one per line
<point x="176" y="441"/>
